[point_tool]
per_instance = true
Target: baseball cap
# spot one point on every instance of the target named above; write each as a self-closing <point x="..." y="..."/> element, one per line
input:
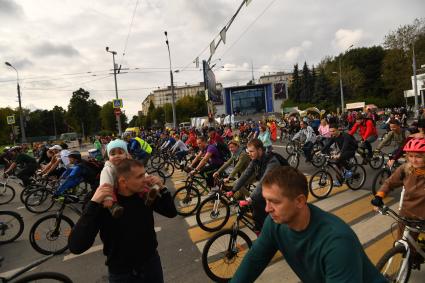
<point x="58" y="147"/>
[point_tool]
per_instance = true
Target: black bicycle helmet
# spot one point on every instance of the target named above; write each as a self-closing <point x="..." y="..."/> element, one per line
<point x="75" y="154"/>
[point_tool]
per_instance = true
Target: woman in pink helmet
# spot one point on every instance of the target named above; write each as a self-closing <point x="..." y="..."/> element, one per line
<point x="411" y="175"/>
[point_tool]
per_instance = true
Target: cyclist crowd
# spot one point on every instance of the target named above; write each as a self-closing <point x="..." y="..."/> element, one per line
<point x="117" y="174"/>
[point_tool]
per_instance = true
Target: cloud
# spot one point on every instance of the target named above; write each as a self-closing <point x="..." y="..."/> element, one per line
<point x="21" y="64"/>
<point x="46" y="49"/>
<point x="344" y="38"/>
<point x="10" y="9"/>
<point x="293" y="53"/>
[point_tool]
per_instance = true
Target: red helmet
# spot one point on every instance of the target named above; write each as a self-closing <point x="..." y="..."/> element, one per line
<point x="416" y="145"/>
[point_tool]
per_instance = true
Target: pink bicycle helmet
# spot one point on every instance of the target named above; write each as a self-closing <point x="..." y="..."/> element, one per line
<point x="416" y="145"/>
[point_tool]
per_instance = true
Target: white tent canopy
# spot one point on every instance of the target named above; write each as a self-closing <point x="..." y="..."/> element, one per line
<point x="355" y="105"/>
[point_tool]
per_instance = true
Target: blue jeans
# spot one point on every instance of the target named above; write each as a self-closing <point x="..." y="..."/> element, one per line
<point x="150" y="272"/>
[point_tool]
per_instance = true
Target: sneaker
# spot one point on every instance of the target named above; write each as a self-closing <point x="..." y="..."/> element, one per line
<point x="337" y="183"/>
<point x="116" y="210"/>
<point x="348" y="174"/>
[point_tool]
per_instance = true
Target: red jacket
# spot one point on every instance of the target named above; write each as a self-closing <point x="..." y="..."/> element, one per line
<point x="367" y="129"/>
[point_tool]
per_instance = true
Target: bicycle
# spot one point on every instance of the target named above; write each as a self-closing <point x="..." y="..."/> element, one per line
<point x="188" y="198"/>
<point x="321" y="182"/>
<point x="7" y="193"/>
<point x="383" y="174"/>
<point x="215" y="206"/>
<point x="11" y="226"/>
<point x="57" y="277"/>
<point x="396" y="264"/>
<point x="223" y="253"/>
<point x="54" y="229"/>
<point x="377" y="159"/>
<point x="294" y="158"/>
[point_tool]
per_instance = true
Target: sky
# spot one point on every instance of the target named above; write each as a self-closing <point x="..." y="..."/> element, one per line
<point x="58" y="46"/>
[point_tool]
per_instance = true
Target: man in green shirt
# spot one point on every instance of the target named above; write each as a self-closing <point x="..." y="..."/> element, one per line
<point x="27" y="164"/>
<point x="318" y="246"/>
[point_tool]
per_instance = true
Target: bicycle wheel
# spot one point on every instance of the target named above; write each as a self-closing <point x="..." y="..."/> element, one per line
<point x="391" y="265"/>
<point x="357" y="180"/>
<point x="318" y="160"/>
<point x="209" y="215"/>
<point x="223" y="254"/>
<point x="39" y="201"/>
<point x="377" y="161"/>
<point x="7" y="193"/>
<point x="187" y="200"/>
<point x="42" y="276"/>
<point x="290" y="147"/>
<point x="321" y="184"/>
<point x="167" y="169"/>
<point x="11" y="226"/>
<point x="379" y="179"/>
<point x="49" y="234"/>
<point x="293" y="160"/>
<point x="156" y="161"/>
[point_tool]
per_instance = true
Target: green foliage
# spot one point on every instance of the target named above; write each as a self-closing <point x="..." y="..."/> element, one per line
<point x="83" y="113"/>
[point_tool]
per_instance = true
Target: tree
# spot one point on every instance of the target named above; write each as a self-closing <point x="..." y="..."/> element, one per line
<point x="323" y="92"/>
<point x="294" y="89"/>
<point x="107" y="117"/>
<point x="306" y="84"/>
<point x="83" y="113"/>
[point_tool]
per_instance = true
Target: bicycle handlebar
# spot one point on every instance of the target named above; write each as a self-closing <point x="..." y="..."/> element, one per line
<point x="416" y="224"/>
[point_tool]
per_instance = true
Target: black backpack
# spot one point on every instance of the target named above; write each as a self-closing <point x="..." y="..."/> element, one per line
<point x="223" y="150"/>
<point x="92" y="169"/>
<point x="282" y="160"/>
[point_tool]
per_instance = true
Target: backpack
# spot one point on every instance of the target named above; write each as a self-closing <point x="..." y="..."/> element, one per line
<point x="223" y="150"/>
<point x="93" y="168"/>
<point x="282" y="160"/>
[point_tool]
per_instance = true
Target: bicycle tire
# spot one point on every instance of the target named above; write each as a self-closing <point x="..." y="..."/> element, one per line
<point x="34" y="236"/>
<point x="322" y="176"/>
<point x="357" y="170"/>
<point x="7" y="193"/>
<point x="379" y="179"/>
<point x="43" y="201"/>
<point x="58" y="277"/>
<point x="290" y="147"/>
<point x="183" y="200"/>
<point x="392" y="254"/>
<point x="377" y="161"/>
<point x="167" y="169"/>
<point x="3" y="229"/>
<point x="294" y="160"/>
<point x="204" y="214"/>
<point x="318" y="160"/>
<point x="244" y="247"/>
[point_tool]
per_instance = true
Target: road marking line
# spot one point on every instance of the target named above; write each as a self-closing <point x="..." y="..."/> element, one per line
<point x="20" y="207"/>
<point x="89" y="251"/>
<point x="13" y="271"/>
<point x="158" y="229"/>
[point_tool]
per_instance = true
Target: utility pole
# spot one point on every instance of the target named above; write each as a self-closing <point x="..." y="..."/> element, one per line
<point x="21" y="114"/>
<point x="173" y="100"/>
<point x="116" y="88"/>
<point x="415" y="82"/>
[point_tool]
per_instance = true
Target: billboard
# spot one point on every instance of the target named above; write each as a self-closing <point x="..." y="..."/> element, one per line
<point x="210" y="84"/>
<point x="279" y="91"/>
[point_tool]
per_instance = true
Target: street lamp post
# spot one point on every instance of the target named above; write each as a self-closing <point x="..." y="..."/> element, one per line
<point x="21" y="117"/>
<point x="116" y="87"/>
<point x="173" y="101"/>
<point x="340" y="80"/>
